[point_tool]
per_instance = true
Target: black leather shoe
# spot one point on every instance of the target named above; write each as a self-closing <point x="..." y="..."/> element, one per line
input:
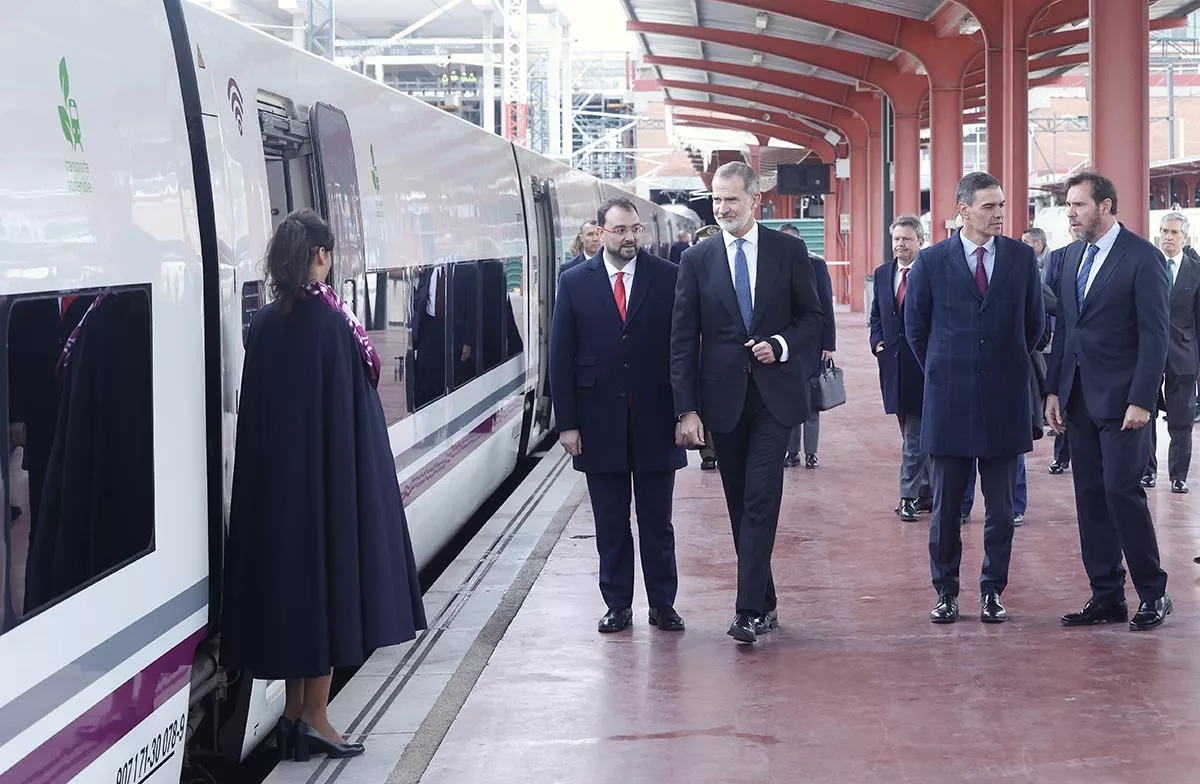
<point x="708" y="464"/>
<point x="1149" y="480"/>
<point x="764" y="623"/>
<point x="924" y="505"/>
<point x="946" y="610"/>
<point x="1151" y="614"/>
<point x="1178" y="486"/>
<point x="742" y="628"/>
<point x="1057" y="467"/>
<point x="991" y="610"/>
<point x="1094" y="613"/>
<point x="615" y="620"/>
<point x="308" y="742"/>
<point x="285" y="735"/>
<point x="666" y="619"/>
<point x="792" y="459"/>
<point x="810" y="461"/>
<point x="907" y="510"/>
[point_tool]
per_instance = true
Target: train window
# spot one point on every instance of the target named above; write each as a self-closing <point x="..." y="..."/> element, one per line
<point x="500" y="338"/>
<point x="78" y="473"/>
<point x="465" y="322"/>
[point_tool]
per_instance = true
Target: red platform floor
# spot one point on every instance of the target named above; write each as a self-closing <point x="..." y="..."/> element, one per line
<point x="857" y="685"/>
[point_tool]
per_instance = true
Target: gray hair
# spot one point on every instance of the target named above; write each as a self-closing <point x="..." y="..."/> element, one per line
<point x="971" y="184"/>
<point x="1185" y="225"/>
<point x="910" y="222"/>
<point x="739" y="169"/>
<point x="1038" y="235"/>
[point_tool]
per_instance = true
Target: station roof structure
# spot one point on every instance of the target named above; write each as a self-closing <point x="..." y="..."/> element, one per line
<point x="716" y="57"/>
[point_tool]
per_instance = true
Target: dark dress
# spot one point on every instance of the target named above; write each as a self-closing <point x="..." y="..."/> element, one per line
<point x="319" y="565"/>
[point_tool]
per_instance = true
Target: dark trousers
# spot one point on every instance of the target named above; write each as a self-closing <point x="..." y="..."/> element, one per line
<point x="611" y="498"/>
<point x="1062" y="448"/>
<point x="1020" y="499"/>
<point x="1180" y="394"/>
<point x="752" y="477"/>
<point x="948" y="477"/>
<point x="1108" y="464"/>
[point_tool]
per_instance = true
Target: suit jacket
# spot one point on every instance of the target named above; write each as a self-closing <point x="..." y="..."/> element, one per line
<point x="677" y="249"/>
<point x="574" y="262"/>
<point x="1116" y="346"/>
<point x="901" y="379"/>
<point x="461" y="305"/>
<point x="975" y="350"/>
<point x="710" y="363"/>
<point x="604" y="371"/>
<point x="1183" y="358"/>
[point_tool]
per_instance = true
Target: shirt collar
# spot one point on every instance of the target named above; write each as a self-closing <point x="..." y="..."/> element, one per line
<point x="612" y="271"/>
<point x="1105" y="243"/>
<point x="751" y="237"/>
<point x="969" y="247"/>
<point x="902" y="266"/>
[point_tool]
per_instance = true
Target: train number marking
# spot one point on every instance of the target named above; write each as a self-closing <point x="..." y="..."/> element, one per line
<point x="154" y="754"/>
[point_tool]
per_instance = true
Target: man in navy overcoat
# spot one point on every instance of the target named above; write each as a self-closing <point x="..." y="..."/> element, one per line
<point x="974" y="314"/>
<point x="611" y="386"/>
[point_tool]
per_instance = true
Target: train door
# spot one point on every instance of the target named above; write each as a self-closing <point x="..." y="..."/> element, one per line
<point x="546" y="260"/>
<point x="339" y="202"/>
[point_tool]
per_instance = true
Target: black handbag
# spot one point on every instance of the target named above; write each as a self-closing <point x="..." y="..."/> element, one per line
<point x="827" y="389"/>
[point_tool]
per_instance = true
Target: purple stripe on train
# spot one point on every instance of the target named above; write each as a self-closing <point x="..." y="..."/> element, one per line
<point x="81" y="743"/>
<point x="429" y="474"/>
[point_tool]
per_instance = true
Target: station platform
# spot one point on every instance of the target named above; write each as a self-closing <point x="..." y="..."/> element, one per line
<point x="512" y="683"/>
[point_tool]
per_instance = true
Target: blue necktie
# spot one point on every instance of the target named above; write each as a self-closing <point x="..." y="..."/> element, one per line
<point x="741" y="284"/>
<point x="1084" y="272"/>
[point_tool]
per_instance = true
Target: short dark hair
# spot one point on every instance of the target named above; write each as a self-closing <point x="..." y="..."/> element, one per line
<point x="971" y="184"/>
<point x="1102" y="187"/>
<point x="616" y="201"/>
<point x="788" y="227"/>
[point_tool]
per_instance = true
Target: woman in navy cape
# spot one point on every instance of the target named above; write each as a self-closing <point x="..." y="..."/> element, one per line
<point x="319" y="565"/>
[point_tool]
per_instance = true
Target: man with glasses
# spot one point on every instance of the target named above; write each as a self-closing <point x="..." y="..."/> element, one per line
<point x="611" y="387"/>
<point x="746" y="312"/>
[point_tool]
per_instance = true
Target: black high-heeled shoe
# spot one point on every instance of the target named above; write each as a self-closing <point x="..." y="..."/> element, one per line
<point x="308" y="741"/>
<point x="285" y="732"/>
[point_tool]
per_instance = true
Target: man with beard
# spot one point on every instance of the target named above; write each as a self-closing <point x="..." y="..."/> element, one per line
<point x="1106" y="365"/>
<point x="973" y="314"/>
<point x="1183" y="362"/>
<point x="611" y="387"/>
<point x="746" y="313"/>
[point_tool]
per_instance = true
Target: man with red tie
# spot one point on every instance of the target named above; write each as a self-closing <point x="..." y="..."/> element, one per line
<point x="611" y="387"/>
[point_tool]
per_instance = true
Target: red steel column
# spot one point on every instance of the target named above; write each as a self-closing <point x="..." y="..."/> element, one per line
<point x="908" y="159"/>
<point x="875" y="188"/>
<point x="1015" y="177"/>
<point x="946" y="157"/>
<point x="994" y="103"/>
<point x="860" y="226"/>
<point x="1120" y="95"/>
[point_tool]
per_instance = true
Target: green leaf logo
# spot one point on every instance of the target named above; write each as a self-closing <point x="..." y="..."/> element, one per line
<point x="68" y="112"/>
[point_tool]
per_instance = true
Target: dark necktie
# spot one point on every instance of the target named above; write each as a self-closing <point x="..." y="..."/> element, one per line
<point x="741" y="283"/>
<point x="980" y="272"/>
<point x="903" y="288"/>
<point x="1084" y="273"/>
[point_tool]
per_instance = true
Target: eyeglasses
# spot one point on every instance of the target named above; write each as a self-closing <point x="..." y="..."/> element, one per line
<point x="621" y="231"/>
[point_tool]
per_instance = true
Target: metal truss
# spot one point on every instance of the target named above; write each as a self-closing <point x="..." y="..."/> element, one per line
<point x="516" y="73"/>
<point x="318" y="27"/>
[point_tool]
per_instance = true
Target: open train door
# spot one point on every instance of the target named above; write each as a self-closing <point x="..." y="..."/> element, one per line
<point x="339" y="202"/>
<point x="545" y="217"/>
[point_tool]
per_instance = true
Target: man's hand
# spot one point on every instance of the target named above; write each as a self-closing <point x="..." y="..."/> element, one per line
<point x="571" y="442"/>
<point x="762" y="351"/>
<point x="826" y="356"/>
<point x="1054" y="415"/>
<point x="1136" y="418"/>
<point x="690" y="430"/>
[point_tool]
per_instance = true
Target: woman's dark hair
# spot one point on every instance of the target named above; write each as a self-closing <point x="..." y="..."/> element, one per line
<point x="290" y="254"/>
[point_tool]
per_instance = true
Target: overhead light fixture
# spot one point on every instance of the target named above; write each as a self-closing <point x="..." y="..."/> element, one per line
<point x="760" y="21"/>
<point x="832" y="136"/>
<point x="756" y="58"/>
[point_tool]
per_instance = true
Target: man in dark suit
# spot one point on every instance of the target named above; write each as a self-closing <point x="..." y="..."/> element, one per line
<point x="681" y="244"/>
<point x="746" y="299"/>
<point x="810" y="431"/>
<point x="611" y="386"/>
<point x="974" y="314"/>
<point x="1106" y="366"/>
<point x="590" y="243"/>
<point x="901" y="380"/>
<point x="1051" y="274"/>
<point x="444" y="301"/>
<point x="1183" y="361"/>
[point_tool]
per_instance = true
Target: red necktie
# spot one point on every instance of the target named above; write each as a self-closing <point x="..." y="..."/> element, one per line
<point x="980" y="272"/>
<point x="619" y="294"/>
<point x="902" y="288"/>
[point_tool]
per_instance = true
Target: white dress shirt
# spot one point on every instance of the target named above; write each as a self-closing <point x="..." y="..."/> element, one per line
<point x="989" y="255"/>
<point x="1173" y="263"/>
<point x="627" y="279"/>
<point x="899" y="276"/>
<point x="750" y="250"/>
<point x="1105" y="244"/>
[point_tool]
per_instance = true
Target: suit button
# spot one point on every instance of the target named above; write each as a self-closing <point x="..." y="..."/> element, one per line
<point x="627" y="366"/>
<point x="981" y="341"/>
<point x="624" y="337"/>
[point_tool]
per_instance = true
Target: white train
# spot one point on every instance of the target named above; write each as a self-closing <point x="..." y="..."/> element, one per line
<point x="148" y="149"/>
